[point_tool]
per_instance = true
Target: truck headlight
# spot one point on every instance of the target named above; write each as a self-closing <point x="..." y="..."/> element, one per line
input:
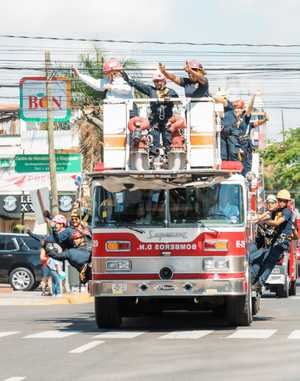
<point x="215" y="264"/>
<point x="118" y="265"/>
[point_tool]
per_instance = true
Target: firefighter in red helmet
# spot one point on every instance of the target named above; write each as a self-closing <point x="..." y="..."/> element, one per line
<point x="196" y="85"/>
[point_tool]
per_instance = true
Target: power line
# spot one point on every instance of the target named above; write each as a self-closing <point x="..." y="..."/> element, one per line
<point x="80" y="39"/>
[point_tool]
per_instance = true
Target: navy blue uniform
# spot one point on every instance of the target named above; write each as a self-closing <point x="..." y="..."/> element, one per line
<point x="161" y="112"/>
<point x="194" y="89"/>
<point x="229" y="135"/>
<point x="77" y="257"/>
<point x="281" y="243"/>
<point x="246" y="143"/>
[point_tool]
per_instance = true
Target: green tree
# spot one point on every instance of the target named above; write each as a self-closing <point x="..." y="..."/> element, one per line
<point x="282" y="164"/>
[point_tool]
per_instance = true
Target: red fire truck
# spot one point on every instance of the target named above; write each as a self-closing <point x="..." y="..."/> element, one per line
<point x="170" y="232"/>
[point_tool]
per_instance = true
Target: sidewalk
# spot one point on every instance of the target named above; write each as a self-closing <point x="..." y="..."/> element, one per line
<point x="8" y="297"/>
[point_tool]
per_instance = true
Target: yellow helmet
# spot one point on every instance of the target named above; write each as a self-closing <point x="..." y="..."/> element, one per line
<point x="284" y="194"/>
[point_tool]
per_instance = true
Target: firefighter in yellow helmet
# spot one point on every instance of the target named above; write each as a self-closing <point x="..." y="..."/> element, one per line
<point x="282" y="220"/>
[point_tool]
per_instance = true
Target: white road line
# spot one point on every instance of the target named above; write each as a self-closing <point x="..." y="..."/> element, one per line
<point x="86" y="347"/>
<point x="8" y="333"/>
<point x="252" y="334"/>
<point x="51" y="335"/>
<point x="295" y="335"/>
<point x="15" y="379"/>
<point x="185" y="335"/>
<point x="118" y="335"/>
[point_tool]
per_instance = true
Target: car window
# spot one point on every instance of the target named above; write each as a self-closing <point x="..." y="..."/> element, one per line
<point x="8" y="243"/>
<point x="31" y="243"/>
<point x="2" y="243"/>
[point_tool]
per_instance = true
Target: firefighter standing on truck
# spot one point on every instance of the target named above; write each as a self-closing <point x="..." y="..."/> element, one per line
<point x="230" y="146"/>
<point x="245" y="126"/>
<point x="161" y="111"/>
<point x="196" y="85"/>
<point x="282" y="221"/>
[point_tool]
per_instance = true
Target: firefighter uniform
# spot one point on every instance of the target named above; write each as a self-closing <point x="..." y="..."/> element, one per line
<point x="161" y="112"/>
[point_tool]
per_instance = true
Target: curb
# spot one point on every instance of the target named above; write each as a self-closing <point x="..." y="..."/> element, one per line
<point x="47" y="301"/>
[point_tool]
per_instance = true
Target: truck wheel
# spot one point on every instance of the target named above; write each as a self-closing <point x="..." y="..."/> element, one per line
<point x="107" y="313"/>
<point x="21" y="279"/>
<point x="283" y="289"/>
<point x="239" y="309"/>
<point x="293" y="288"/>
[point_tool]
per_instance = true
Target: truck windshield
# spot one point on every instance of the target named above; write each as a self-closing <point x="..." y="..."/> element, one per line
<point x="135" y="208"/>
<point x="221" y="203"/>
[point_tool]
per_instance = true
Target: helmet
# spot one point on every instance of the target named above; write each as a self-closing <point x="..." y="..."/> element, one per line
<point x="195" y="64"/>
<point x="271" y="198"/>
<point x="239" y="103"/>
<point x="284" y="194"/>
<point x="111" y="65"/>
<point x="60" y="219"/>
<point x="76" y="234"/>
<point x="158" y="76"/>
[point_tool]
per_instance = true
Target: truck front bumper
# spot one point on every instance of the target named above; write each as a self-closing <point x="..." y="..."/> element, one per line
<point x="148" y="288"/>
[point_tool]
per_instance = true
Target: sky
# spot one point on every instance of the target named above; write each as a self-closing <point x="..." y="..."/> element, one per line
<point x="198" y="21"/>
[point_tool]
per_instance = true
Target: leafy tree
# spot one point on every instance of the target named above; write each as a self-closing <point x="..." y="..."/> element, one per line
<point x="282" y="164"/>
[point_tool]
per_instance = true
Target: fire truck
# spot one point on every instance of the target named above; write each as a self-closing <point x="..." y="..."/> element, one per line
<point x="170" y="231"/>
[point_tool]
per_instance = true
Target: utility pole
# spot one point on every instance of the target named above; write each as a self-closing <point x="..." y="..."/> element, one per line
<point x="51" y="150"/>
<point x="282" y="127"/>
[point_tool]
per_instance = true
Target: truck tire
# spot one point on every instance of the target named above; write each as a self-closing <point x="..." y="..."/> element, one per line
<point x="293" y="288"/>
<point x="282" y="291"/>
<point x="21" y="279"/>
<point x="107" y="313"/>
<point x="239" y="309"/>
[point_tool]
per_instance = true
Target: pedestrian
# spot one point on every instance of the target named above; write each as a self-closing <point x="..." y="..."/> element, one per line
<point x="161" y="110"/>
<point x="113" y="85"/>
<point x="195" y="85"/>
<point x="282" y="221"/>
<point x="230" y="146"/>
<point x="245" y="127"/>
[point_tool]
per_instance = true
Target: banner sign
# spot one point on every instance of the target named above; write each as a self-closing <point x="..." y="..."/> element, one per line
<point x="34" y="101"/>
<point x="65" y="162"/>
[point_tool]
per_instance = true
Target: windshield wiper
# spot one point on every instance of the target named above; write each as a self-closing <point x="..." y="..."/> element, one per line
<point x="203" y="225"/>
<point x="130" y="227"/>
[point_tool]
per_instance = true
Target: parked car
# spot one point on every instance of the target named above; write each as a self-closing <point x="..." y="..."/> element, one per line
<point x="20" y="261"/>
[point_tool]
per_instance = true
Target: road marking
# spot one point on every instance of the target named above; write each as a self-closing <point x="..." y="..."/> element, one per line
<point x="8" y="333"/>
<point x="252" y="334"/>
<point x="118" y="335"/>
<point x="185" y="335"/>
<point x="86" y="347"/>
<point x="295" y="335"/>
<point x="51" y="335"/>
<point x="15" y="379"/>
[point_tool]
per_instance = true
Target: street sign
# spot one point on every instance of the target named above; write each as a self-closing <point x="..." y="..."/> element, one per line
<point x="34" y="102"/>
<point x="65" y="162"/>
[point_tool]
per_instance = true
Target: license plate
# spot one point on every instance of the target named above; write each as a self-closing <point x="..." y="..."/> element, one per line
<point x="118" y="288"/>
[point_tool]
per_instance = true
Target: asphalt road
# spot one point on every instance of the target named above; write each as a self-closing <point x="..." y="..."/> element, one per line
<point x="62" y="342"/>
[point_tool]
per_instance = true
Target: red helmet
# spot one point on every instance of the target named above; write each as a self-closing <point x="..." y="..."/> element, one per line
<point x="158" y="76"/>
<point x="60" y="219"/>
<point x="195" y="64"/>
<point x="239" y="103"/>
<point x="111" y="65"/>
<point x="76" y="234"/>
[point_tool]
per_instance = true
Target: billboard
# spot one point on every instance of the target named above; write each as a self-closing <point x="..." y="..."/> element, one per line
<point x="34" y="100"/>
